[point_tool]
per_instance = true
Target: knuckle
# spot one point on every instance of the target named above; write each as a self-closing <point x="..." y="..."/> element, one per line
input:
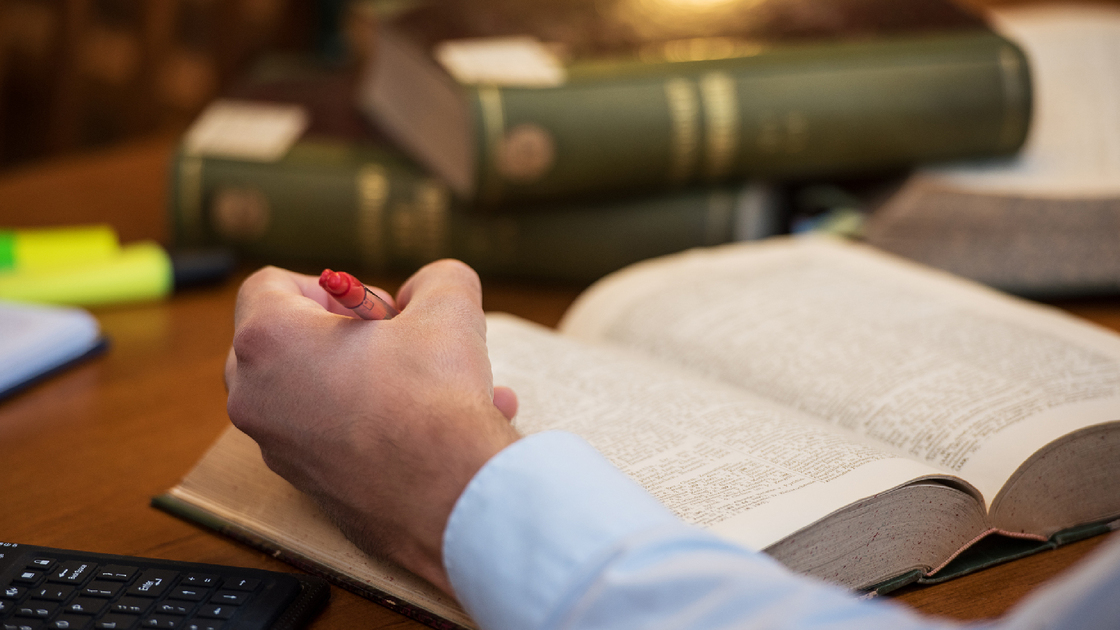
<point x="245" y="413"/>
<point x="254" y="340"/>
<point x="263" y="273"/>
<point x="239" y="412"/>
<point x="255" y="278"/>
<point x="457" y="269"/>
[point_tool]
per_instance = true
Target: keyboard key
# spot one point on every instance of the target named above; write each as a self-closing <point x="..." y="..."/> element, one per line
<point x="21" y="625"/>
<point x="241" y="584"/>
<point x="203" y="625"/>
<point x="188" y="593"/>
<point x="72" y="572"/>
<point x="28" y="576"/>
<point x="97" y="588"/>
<point x="215" y="611"/>
<point x="229" y="597"/>
<point x="41" y="563"/>
<point x="200" y="579"/>
<point x="13" y="592"/>
<point x="86" y="605"/>
<point x="131" y="605"/>
<point x="6" y="607"/>
<point x="161" y="622"/>
<point x="115" y="621"/>
<point x="69" y="622"/>
<point x="171" y="608"/>
<point x="53" y="592"/>
<point x="36" y="609"/>
<point x="116" y="573"/>
<point x="152" y="583"/>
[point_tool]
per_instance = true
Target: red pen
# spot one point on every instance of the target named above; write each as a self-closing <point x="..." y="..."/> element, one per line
<point x="354" y="295"/>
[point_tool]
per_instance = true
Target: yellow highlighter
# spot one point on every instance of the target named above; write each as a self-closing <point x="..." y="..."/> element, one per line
<point x="41" y="249"/>
<point x="140" y="271"/>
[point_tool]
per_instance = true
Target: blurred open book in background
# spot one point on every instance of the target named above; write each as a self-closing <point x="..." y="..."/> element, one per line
<point x="1045" y="223"/>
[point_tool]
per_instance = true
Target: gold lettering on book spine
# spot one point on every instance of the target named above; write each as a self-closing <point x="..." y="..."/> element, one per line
<point x="684" y="141"/>
<point x="190" y="198"/>
<point x="373" y="195"/>
<point x="782" y="133"/>
<point x="493" y="132"/>
<point x="419" y="226"/>
<point x="721" y="123"/>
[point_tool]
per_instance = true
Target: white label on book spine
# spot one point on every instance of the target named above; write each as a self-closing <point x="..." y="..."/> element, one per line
<point x="246" y="130"/>
<point x="507" y="61"/>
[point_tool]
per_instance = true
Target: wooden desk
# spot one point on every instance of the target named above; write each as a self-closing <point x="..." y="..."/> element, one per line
<point x="84" y="452"/>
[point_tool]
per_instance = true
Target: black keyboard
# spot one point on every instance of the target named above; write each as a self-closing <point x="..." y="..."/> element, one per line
<point x="41" y="587"/>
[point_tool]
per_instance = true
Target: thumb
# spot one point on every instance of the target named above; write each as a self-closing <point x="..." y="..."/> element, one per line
<point x="505" y="399"/>
<point x="445" y="283"/>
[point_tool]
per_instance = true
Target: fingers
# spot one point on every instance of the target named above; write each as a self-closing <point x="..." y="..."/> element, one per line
<point x="441" y="310"/>
<point x="449" y="283"/>
<point x="505" y="399"/>
<point x="274" y="288"/>
<point x="270" y="288"/>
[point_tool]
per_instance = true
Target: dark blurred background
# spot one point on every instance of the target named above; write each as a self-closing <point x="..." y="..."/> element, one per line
<point x="78" y="74"/>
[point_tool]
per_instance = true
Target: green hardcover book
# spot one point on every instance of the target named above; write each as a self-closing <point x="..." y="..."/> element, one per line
<point x="363" y="206"/>
<point x="513" y="102"/>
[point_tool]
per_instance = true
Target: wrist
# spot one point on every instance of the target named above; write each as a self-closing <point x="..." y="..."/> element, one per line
<point x="460" y="445"/>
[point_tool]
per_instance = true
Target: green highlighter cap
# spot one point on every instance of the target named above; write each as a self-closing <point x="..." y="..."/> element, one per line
<point x="7" y="250"/>
<point x="41" y="249"/>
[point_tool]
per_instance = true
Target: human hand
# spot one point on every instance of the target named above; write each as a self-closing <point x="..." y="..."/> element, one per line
<point x="382" y="422"/>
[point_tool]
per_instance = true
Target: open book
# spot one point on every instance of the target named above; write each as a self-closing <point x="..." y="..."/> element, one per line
<point x="1042" y="222"/>
<point x="860" y="418"/>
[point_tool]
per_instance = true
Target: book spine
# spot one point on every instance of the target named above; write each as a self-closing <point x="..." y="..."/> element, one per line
<point x="787" y="112"/>
<point x="184" y="510"/>
<point x="366" y="210"/>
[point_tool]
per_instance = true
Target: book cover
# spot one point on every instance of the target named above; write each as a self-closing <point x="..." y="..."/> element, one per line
<point x="342" y="195"/>
<point x="513" y="103"/>
<point x="363" y="206"/>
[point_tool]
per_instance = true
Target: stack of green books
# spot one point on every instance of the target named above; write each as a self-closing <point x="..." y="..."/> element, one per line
<point x="570" y="139"/>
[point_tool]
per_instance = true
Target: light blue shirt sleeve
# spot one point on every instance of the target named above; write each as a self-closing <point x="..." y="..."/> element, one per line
<point x="549" y="535"/>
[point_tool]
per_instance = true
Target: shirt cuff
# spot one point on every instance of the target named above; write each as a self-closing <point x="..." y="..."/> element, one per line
<point x="535" y="521"/>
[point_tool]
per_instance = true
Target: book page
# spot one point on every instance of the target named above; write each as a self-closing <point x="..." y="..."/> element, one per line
<point x="716" y="456"/>
<point x="916" y="360"/>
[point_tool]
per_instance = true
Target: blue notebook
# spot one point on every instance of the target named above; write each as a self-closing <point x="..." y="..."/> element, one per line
<point x="38" y="341"/>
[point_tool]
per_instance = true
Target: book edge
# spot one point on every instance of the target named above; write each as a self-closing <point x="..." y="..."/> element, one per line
<point x="1059" y="539"/>
<point x="100" y="345"/>
<point x="187" y="511"/>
